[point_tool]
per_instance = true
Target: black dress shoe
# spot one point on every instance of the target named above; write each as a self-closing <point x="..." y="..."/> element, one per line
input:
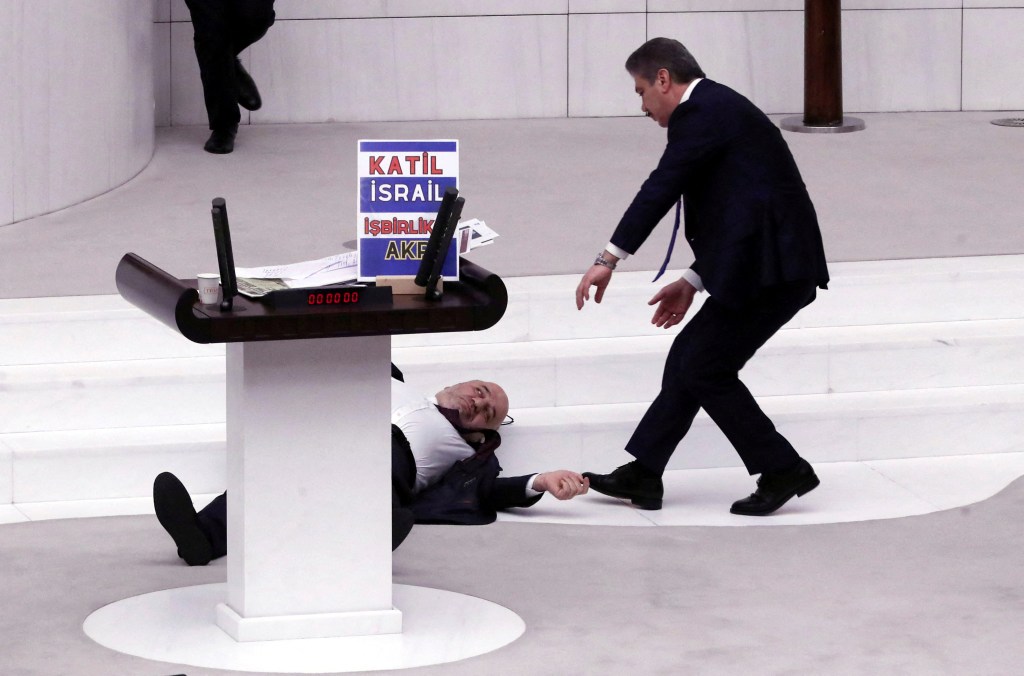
<point x="774" y="489"/>
<point x="176" y="514"/>
<point x="248" y="94"/>
<point x="221" y="141"/>
<point x="632" y="481"/>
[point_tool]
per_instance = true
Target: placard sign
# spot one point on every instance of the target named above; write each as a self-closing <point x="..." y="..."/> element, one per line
<point x="401" y="184"/>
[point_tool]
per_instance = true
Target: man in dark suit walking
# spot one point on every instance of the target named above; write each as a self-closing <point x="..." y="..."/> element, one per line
<point x="758" y="253"/>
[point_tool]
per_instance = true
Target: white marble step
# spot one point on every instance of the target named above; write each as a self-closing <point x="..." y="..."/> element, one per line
<point x="110" y="463"/>
<point x="126" y="393"/>
<point x="823" y="428"/>
<point x="860" y="294"/>
<point x="86" y="328"/>
<point x="99" y="328"/>
<point x="121" y="463"/>
<point x="804" y="361"/>
<point x="96" y="397"/>
<point x="190" y="390"/>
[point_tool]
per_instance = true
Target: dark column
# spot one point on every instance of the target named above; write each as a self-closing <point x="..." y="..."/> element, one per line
<point x="823" y="72"/>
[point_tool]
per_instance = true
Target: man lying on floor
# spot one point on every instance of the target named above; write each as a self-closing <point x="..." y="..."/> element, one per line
<point x="443" y="470"/>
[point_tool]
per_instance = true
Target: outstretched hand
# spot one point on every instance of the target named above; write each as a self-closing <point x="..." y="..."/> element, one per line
<point x="598" y="276"/>
<point x="673" y="301"/>
<point x="562" y="483"/>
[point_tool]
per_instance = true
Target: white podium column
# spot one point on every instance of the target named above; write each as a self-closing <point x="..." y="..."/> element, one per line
<point x="309" y="489"/>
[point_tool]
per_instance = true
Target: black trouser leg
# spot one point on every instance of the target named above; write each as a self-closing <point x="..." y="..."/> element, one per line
<point x="702" y="371"/>
<point x="252" y="20"/>
<point x="403" y="483"/>
<point x="223" y="28"/>
<point x="213" y="519"/>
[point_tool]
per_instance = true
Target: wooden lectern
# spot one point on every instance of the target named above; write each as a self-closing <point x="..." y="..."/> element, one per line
<point x="308" y="445"/>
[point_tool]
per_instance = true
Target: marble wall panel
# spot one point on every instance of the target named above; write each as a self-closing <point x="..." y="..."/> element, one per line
<point x="993" y="51"/>
<point x="83" y="100"/>
<point x="606" y="6"/>
<point x="902" y="4"/>
<point x="475" y="7"/>
<point x="901" y="60"/>
<point x="186" y="104"/>
<point x="179" y="11"/>
<point x="162" y="74"/>
<point x="790" y="5"/>
<point x="374" y="9"/>
<point x="7" y="113"/>
<point x="759" y="54"/>
<point x="412" y="69"/>
<point x="598" y="47"/>
<point x="162" y="10"/>
<point x="1002" y="4"/>
<point x="899" y="55"/>
<point x="724" y="5"/>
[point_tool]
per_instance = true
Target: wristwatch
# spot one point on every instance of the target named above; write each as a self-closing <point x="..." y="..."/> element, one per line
<point x="601" y="260"/>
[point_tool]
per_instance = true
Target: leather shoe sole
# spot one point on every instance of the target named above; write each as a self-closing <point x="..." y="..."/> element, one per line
<point x="176" y="514"/>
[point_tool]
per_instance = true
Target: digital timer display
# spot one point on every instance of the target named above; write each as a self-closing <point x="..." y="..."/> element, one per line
<point x="328" y="297"/>
<point x="332" y="298"/>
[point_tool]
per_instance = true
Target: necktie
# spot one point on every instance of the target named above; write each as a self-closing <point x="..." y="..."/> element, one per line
<point x="671" y="242"/>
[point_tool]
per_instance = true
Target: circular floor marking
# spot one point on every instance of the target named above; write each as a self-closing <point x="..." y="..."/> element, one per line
<point x="177" y="625"/>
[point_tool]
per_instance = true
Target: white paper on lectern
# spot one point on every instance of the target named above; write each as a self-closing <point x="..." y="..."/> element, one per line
<point x="302" y="270"/>
<point x="338" y="276"/>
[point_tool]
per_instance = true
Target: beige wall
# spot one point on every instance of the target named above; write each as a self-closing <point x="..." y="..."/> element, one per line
<point x="76" y="101"/>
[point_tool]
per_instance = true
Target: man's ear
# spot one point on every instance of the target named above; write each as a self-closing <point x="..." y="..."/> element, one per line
<point x="664" y="79"/>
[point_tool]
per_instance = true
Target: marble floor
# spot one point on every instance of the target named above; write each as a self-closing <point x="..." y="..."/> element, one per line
<point x="879" y="570"/>
<point x="850" y="491"/>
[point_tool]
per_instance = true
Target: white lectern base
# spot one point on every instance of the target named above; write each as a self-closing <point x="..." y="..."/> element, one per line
<point x="178" y="626"/>
<point x="319" y="625"/>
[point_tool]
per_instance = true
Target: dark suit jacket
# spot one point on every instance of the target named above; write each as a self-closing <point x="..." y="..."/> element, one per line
<point x="749" y="219"/>
<point x="505" y="492"/>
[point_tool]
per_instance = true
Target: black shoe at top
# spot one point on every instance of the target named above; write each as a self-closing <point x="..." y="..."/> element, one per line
<point x="633" y="482"/>
<point x="176" y="514"/>
<point x="248" y="94"/>
<point x="774" y="489"/>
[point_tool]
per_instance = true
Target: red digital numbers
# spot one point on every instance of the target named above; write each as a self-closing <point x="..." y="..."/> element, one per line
<point x="333" y="298"/>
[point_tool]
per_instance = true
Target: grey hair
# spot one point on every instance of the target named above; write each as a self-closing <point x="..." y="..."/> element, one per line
<point x="658" y="53"/>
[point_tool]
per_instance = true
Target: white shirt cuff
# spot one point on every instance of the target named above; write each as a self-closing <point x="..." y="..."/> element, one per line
<point x="693" y="278"/>
<point x="616" y="251"/>
<point x="530" y="490"/>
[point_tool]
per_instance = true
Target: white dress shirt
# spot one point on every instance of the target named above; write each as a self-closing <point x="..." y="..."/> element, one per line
<point x="435" y="444"/>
